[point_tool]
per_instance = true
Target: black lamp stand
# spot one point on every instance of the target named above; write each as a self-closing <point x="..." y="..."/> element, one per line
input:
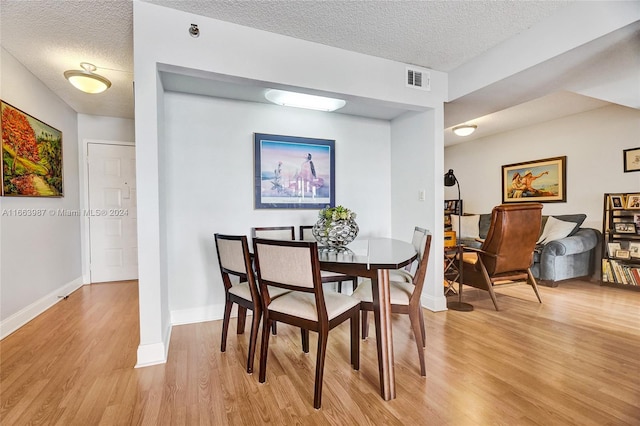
<point x="457" y="305"/>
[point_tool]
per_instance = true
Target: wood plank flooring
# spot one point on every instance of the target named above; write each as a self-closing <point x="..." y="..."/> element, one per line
<point x="573" y="360"/>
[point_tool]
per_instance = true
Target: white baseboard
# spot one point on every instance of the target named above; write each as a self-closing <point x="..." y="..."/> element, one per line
<point x="201" y="314"/>
<point x="154" y="353"/>
<point x="434" y="304"/>
<point x="20" y="318"/>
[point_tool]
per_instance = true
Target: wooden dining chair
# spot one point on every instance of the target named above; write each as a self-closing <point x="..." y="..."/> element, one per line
<point x="294" y="265"/>
<point x="235" y="261"/>
<point x="406" y="273"/>
<point x="405" y="299"/>
<point x="274" y="232"/>
<point x="327" y="276"/>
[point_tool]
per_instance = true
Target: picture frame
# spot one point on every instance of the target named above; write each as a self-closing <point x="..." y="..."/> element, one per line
<point x="612" y="248"/>
<point x="623" y="254"/>
<point x="633" y="202"/>
<point x="624" y="228"/>
<point x="631" y="159"/>
<point x="292" y="172"/>
<point x="31" y="155"/>
<point x="541" y="181"/>
<point x="617" y="201"/>
<point x="634" y="250"/>
<point x="636" y="220"/>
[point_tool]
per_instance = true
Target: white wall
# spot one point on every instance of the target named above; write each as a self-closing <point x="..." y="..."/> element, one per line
<point x="40" y="255"/>
<point x="98" y="127"/>
<point x="592" y="141"/>
<point x="416" y="166"/>
<point x="209" y="175"/>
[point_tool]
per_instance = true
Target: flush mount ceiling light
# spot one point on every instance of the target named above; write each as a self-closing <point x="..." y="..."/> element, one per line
<point x="301" y="100"/>
<point x="464" y="129"/>
<point x="86" y="80"/>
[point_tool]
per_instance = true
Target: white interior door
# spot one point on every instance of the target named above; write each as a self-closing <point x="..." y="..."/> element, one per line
<point x="112" y="212"/>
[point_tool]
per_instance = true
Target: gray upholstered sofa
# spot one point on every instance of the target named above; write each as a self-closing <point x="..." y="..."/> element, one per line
<point x="574" y="256"/>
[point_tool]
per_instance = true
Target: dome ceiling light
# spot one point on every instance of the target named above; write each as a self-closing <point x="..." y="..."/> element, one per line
<point x="464" y="129"/>
<point x="86" y="80"/>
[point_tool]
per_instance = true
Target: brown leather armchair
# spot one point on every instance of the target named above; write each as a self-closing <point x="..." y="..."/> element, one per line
<point x="507" y="253"/>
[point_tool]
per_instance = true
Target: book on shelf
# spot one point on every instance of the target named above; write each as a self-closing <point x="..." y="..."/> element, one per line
<point x="615" y="272"/>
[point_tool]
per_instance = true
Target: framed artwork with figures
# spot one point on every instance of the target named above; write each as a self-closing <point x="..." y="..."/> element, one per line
<point x="541" y="181"/>
<point x="293" y="172"/>
<point x="633" y="202"/>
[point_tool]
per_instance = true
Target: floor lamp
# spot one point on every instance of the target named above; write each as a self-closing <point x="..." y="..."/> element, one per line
<point x="450" y="180"/>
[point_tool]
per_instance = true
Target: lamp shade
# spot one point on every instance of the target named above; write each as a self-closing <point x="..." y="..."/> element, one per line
<point x="449" y="178"/>
<point x="464" y="129"/>
<point x="86" y="80"/>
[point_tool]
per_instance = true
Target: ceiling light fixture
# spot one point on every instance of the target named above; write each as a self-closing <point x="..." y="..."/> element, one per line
<point x="86" y="80"/>
<point x="301" y="100"/>
<point x="464" y="129"/>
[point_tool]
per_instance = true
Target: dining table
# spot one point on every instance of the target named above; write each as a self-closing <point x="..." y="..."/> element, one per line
<point x="373" y="258"/>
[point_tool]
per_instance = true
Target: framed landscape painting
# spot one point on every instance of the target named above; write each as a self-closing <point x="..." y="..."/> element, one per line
<point x="293" y="172"/>
<point x="539" y="181"/>
<point x="31" y="155"/>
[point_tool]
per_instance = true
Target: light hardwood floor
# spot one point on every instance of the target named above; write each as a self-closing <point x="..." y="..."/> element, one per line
<point x="575" y="359"/>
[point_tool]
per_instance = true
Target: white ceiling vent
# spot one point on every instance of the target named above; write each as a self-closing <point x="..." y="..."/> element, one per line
<point x="418" y="78"/>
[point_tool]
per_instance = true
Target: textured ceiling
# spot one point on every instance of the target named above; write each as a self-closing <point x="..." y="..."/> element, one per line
<point x="51" y="36"/>
<point x="434" y="34"/>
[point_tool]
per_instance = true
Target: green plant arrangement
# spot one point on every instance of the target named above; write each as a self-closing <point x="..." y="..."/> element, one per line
<point x="336" y="213"/>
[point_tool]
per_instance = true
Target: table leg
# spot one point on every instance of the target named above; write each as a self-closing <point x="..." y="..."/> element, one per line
<point x="384" y="337"/>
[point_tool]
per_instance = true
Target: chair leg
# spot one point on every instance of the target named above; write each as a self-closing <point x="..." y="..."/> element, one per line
<point x="532" y="281"/>
<point x="274" y="329"/>
<point x="262" y="376"/>
<point x="414" y="315"/>
<point x="305" y="340"/>
<point x="365" y="325"/>
<point x="225" y="324"/>
<point x="242" y="317"/>
<point x="493" y="296"/>
<point x="422" y="329"/>
<point x="339" y="286"/>
<point x="322" y="351"/>
<point x="255" y="324"/>
<point x="355" y="341"/>
<point x="487" y="280"/>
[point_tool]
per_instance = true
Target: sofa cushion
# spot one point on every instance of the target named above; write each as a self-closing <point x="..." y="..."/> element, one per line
<point x="578" y="219"/>
<point x="555" y="229"/>
<point x="469" y="226"/>
<point x="485" y="223"/>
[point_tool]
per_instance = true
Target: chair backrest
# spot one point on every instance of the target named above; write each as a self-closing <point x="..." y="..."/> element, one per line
<point x="274" y="232"/>
<point x="234" y="259"/>
<point x="292" y="265"/>
<point x="512" y="237"/>
<point x="417" y="239"/>
<point x="305" y="233"/>
<point x="423" y="254"/>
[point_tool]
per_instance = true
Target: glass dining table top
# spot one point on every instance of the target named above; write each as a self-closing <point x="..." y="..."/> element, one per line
<point x="371" y="253"/>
